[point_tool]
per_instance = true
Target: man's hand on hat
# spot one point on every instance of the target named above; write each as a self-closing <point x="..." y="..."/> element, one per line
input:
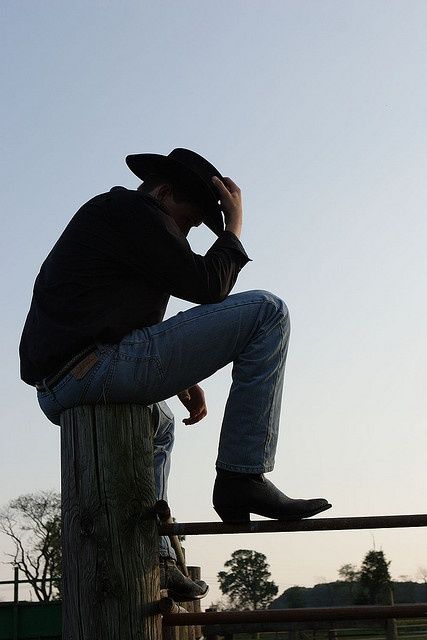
<point x="230" y="197"/>
<point x="193" y="399"/>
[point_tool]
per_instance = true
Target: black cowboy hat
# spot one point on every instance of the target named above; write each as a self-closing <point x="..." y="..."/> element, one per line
<point x="190" y="168"/>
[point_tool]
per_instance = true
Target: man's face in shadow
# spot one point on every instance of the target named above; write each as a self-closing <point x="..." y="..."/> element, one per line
<point x="185" y="214"/>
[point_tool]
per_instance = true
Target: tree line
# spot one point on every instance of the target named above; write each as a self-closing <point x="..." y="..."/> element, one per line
<point x="246" y="584"/>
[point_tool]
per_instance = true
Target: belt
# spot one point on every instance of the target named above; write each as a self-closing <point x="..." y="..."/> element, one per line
<point x="79" y="365"/>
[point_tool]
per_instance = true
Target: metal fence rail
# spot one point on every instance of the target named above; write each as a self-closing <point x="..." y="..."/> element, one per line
<point x="269" y="616"/>
<point x="297" y="615"/>
<point x="275" y="526"/>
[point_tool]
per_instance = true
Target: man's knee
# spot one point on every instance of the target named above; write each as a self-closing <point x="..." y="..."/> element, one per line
<point x="278" y="305"/>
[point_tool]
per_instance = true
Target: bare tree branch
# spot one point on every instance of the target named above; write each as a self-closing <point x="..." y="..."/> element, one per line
<point x="33" y="523"/>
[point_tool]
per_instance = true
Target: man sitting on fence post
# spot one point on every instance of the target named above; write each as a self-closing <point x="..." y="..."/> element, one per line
<point x="95" y="330"/>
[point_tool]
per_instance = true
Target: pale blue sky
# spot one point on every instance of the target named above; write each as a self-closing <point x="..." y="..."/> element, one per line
<point x="317" y="109"/>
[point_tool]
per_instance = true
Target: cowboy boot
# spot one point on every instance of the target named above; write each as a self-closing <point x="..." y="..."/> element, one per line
<point x="179" y="587"/>
<point x="237" y="495"/>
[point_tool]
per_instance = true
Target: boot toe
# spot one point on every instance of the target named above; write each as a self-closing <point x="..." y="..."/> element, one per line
<point x="179" y="587"/>
<point x="193" y="590"/>
<point x="299" y="509"/>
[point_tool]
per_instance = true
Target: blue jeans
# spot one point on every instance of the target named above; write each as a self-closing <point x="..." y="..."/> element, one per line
<point x="249" y="329"/>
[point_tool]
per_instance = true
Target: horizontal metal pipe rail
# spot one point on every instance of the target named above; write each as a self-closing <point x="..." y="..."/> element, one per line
<point x="30" y="581"/>
<point x="343" y="627"/>
<point x="331" y="614"/>
<point x="274" y="526"/>
<point x="266" y="627"/>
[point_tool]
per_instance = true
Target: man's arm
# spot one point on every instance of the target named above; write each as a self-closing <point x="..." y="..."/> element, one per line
<point x="167" y="262"/>
<point x="231" y="203"/>
<point x="193" y="398"/>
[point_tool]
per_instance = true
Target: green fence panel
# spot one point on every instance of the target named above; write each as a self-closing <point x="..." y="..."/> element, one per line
<point x="35" y="620"/>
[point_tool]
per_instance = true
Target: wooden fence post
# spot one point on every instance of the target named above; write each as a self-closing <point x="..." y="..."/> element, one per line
<point x="332" y="633"/>
<point x="195" y="574"/>
<point x="110" y="559"/>
<point x="211" y="636"/>
<point x="391" y="625"/>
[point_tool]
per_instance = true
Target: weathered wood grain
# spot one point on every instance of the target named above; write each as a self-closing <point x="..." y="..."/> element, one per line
<point x="109" y="534"/>
<point x="196" y="630"/>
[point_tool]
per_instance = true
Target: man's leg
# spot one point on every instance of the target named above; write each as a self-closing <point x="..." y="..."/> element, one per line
<point x="179" y="587"/>
<point x="251" y="330"/>
<point x="164" y="425"/>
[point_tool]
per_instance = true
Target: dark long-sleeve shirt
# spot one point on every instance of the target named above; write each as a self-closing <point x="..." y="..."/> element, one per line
<point x="113" y="270"/>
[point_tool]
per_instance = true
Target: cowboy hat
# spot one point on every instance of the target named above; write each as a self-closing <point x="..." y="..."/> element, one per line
<point x="190" y="168"/>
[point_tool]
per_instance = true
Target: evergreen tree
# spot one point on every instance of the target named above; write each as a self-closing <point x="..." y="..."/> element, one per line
<point x="375" y="579"/>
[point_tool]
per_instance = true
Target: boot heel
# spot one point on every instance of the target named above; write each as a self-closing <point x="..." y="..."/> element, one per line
<point x="230" y="515"/>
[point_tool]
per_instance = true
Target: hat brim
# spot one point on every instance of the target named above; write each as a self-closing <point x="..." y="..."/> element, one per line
<point x="144" y="164"/>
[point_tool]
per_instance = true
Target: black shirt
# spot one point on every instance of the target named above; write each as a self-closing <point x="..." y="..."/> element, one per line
<point x="113" y="270"/>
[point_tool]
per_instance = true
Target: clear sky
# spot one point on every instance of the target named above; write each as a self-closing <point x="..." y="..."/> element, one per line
<point x="318" y="111"/>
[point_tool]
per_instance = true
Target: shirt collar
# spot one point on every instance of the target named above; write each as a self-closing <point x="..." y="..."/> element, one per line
<point x="151" y="199"/>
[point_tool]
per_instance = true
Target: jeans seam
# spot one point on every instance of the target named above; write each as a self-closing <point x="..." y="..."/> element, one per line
<point x="269" y="430"/>
<point x="168" y="416"/>
<point x="213" y="312"/>
<point x="102" y="397"/>
<point x="243" y="468"/>
<point x="154" y="359"/>
<point x="52" y="397"/>
<point x="90" y="378"/>
<point x="164" y="479"/>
